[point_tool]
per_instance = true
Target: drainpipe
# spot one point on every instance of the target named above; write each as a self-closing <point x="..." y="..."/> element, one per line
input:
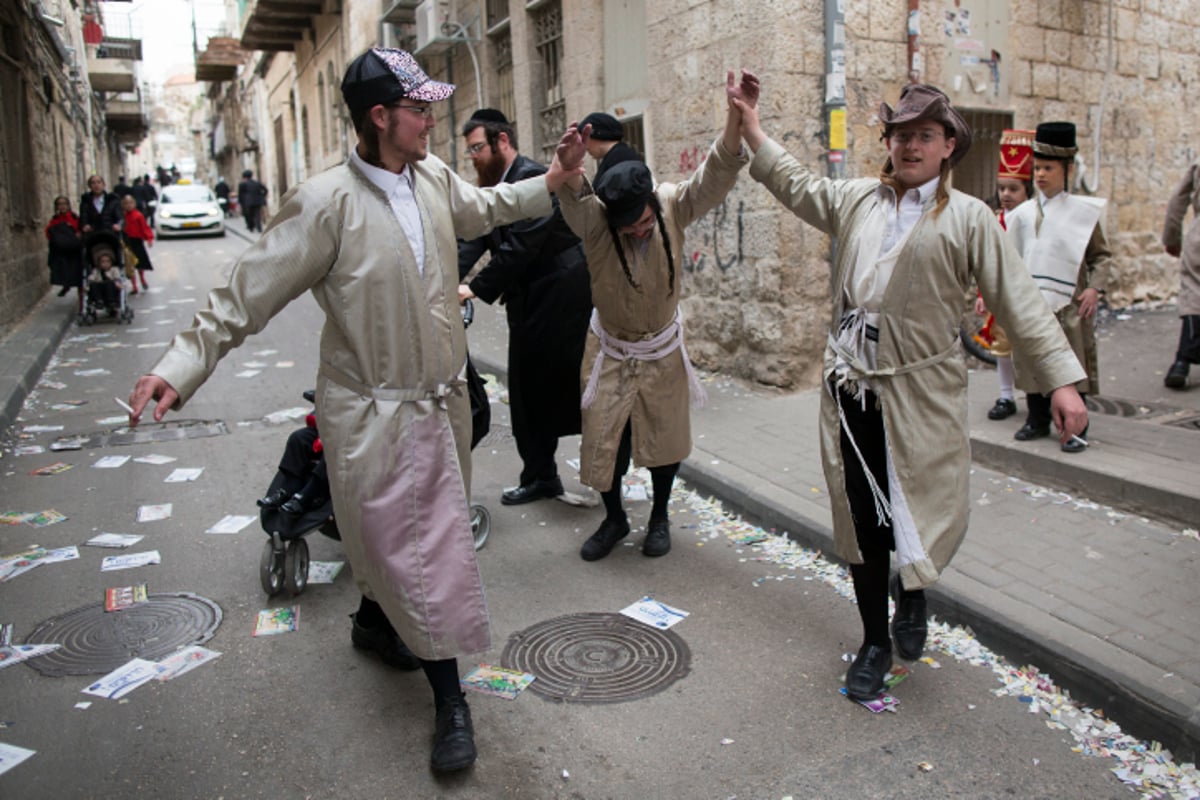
<point x="915" y="65"/>
<point x="834" y="110"/>
<point x="300" y="144"/>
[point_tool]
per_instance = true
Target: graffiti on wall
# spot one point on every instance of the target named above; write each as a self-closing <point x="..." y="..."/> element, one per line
<point x="720" y="232"/>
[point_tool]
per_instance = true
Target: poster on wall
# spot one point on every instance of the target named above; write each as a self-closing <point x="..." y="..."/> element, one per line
<point x="978" y="62"/>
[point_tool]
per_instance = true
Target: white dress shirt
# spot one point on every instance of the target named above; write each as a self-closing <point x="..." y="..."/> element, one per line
<point x="399" y="190"/>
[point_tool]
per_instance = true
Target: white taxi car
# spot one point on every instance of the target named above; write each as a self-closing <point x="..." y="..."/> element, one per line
<point x="185" y="209"/>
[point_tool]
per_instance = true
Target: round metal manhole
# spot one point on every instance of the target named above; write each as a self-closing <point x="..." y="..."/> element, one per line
<point x="95" y="641"/>
<point x="597" y="658"/>
<point x="498" y="433"/>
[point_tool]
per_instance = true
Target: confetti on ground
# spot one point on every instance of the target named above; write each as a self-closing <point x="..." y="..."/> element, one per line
<point x="1146" y="767"/>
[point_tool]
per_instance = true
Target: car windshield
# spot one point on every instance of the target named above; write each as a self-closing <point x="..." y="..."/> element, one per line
<point x="187" y="194"/>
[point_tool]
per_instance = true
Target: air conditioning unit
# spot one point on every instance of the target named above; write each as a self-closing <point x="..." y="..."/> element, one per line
<point x="431" y="40"/>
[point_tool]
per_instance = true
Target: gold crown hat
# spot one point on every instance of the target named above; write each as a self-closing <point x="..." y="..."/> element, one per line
<point x="1016" y="154"/>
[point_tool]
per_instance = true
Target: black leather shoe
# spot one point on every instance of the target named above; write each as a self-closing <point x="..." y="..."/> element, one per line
<point x="384" y="643"/>
<point x="299" y="504"/>
<point x="1074" y="446"/>
<point x="658" y="538"/>
<point x="864" y="679"/>
<point x="1177" y="375"/>
<point x="1003" y="409"/>
<point x="532" y="491"/>
<point x="63" y="291"/>
<point x="453" y="737"/>
<point x="601" y="543"/>
<point x="909" y="626"/>
<point x="1029" y="432"/>
<point x="275" y="499"/>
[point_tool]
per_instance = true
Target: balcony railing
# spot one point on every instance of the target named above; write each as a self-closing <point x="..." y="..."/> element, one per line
<point x="275" y="25"/>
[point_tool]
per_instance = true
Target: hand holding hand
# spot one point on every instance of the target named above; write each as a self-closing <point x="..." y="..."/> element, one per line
<point x="743" y="96"/>
<point x="746" y="90"/>
<point x="151" y="387"/>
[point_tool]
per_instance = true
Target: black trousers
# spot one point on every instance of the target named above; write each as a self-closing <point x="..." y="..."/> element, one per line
<point x="867" y="427"/>
<point x="1189" y="339"/>
<point x="253" y="215"/>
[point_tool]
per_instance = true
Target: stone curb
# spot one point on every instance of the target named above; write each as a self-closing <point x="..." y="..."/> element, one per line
<point x="27" y="351"/>
<point x="1141" y="710"/>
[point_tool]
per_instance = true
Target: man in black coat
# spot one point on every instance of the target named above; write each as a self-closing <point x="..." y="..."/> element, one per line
<point x="252" y="196"/>
<point x="122" y="188"/>
<point x="99" y="210"/>
<point x="149" y="195"/>
<point x="607" y="144"/>
<point x="539" y="272"/>
<point x="221" y="190"/>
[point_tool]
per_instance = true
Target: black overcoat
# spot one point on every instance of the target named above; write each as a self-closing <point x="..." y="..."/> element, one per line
<point x="538" y="271"/>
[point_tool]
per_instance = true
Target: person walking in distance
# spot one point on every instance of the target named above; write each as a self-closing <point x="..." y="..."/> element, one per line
<point x="538" y="271"/>
<point x="893" y="434"/>
<point x="1187" y="248"/>
<point x="252" y="196"/>
<point x="373" y="239"/>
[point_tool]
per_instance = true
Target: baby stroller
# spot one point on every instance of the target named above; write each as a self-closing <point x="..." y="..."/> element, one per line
<point x="284" y="562"/>
<point x="106" y="287"/>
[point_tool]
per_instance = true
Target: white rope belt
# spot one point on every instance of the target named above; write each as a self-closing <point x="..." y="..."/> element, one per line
<point x="653" y="348"/>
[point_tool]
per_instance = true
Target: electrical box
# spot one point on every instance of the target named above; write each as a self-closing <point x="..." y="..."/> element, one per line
<point x="431" y="37"/>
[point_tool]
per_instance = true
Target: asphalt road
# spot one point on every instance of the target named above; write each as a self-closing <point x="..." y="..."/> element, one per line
<point x="302" y="714"/>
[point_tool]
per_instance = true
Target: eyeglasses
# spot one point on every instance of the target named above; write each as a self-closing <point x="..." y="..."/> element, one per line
<point x="475" y="149"/>
<point x="424" y="112"/>
<point x="924" y="137"/>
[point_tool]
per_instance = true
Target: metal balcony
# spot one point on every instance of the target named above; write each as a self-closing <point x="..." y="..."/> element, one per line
<point x="111" y="64"/>
<point x="275" y="25"/>
<point x="125" y="115"/>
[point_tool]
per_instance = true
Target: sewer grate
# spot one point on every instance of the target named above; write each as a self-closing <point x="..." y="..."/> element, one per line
<point x="497" y="434"/>
<point x="173" y="431"/>
<point x="597" y="658"/>
<point x="95" y="641"/>
<point x="1114" y="406"/>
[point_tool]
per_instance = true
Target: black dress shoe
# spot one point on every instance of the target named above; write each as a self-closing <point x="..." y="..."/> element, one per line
<point x="864" y="679"/>
<point x="909" y="626"/>
<point x="1076" y="445"/>
<point x="658" y="538"/>
<point x="1029" y="432"/>
<point x="299" y="504"/>
<point x="1003" y="409"/>
<point x="601" y="543"/>
<point x="1177" y="375"/>
<point x="532" y="491"/>
<point x="453" y="737"/>
<point x="385" y="643"/>
<point x="63" y="291"/>
<point x="275" y="499"/>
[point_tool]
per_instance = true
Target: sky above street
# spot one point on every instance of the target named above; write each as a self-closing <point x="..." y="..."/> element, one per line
<point x="165" y="28"/>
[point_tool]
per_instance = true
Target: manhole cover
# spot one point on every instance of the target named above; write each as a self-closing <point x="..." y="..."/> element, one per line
<point x="1112" y="406"/>
<point x="597" y="658"/>
<point x="497" y="434"/>
<point x="95" y="641"/>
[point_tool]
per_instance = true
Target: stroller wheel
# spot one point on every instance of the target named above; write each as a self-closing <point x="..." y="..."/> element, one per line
<point x="295" y="566"/>
<point x="270" y="568"/>
<point x="481" y="525"/>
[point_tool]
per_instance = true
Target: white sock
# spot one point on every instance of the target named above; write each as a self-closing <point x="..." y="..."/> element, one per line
<point x="1004" y="369"/>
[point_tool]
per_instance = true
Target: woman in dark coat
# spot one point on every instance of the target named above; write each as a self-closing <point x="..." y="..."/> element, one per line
<point x="66" y="246"/>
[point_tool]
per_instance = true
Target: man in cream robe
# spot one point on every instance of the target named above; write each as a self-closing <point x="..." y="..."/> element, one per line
<point x="374" y="241"/>
<point x="1187" y="193"/>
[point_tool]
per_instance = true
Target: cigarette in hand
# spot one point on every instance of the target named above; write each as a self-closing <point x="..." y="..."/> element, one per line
<point x="1075" y="439"/>
<point x="128" y="408"/>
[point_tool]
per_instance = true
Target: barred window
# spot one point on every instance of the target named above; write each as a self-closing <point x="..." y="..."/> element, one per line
<point x="552" y="109"/>
<point x="497" y="13"/>
<point x="506" y="99"/>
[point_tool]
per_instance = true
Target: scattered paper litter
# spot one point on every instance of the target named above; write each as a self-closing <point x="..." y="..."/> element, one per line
<point x="324" y="571"/>
<point x="28" y="450"/>
<point x="57" y="468"/>
<point x="91" y="373"/>
<point x="155" y="459"/>
<point x="497" y="681"/>
<point x="634" y="491"/>
<point x="116" y="420"/>
<point x="69" y="443"/>
<point x="183" y="475"/>
<point x="110" y="462"/>
<point x="123" y="680"/>
<point x="286" y="415"/>
<point x="154" y="512"/>
<point x="130" y="561"/>
<point x="114" y="540"/>
<point x="277" y="620"/>
<point x="43" y="518"/>
<point x="41" y="428"/>
<point x="84" y="704"/>
<point x="231" y="523"/>
<point x="16" y="653"/>
<point x="247" y="373"/>
<point x="118" y="598"/>
<point x="649" y="611"/>
<point x="11" y="755"/>
<point x="183" y="661"/>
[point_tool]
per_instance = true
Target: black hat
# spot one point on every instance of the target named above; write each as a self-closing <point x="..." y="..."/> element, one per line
<point x="247" y="173"/>
<point x="489" y="115"/>
<point x="605" y="127"/>
<point x="625" y="190"/>
<point x="384" y="75"/>
<point x="1055" y="140"/>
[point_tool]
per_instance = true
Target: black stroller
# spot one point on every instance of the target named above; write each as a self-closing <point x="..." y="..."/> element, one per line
<point x="106" y="288"/>
<point x="284" y="562"/>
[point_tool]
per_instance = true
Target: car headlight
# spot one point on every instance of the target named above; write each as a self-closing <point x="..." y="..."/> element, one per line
<point x="214" y="212"/>
<point x="164" y="213"/>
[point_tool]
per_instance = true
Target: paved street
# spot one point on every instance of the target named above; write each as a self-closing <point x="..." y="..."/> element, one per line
<point x="755" y="713"/>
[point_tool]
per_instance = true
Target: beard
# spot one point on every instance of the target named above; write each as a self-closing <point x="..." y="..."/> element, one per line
<point x="490" y="171"/>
